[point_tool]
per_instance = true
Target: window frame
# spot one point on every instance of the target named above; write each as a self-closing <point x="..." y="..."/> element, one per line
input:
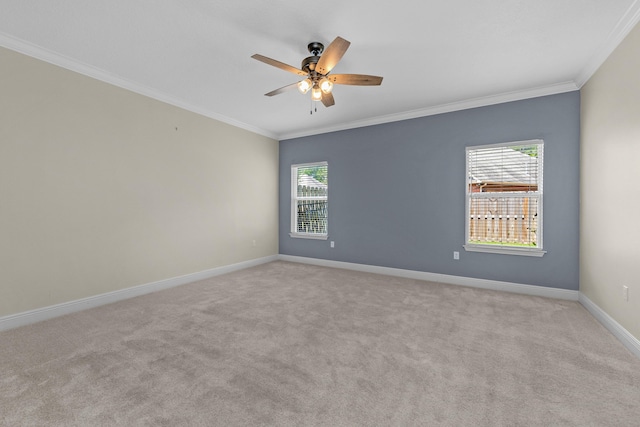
<point x="294" y="202"/>
<point x="538" y="251"/>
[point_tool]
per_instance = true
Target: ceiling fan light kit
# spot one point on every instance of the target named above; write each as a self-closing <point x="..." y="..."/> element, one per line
<point x="316" y="69"/>
<point x="325" y="85"/>
<point x="316" y="93"/>
<point x="304" y="86"/>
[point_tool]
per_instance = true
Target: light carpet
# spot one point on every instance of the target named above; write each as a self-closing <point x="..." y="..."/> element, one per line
<point x="290" y="344"/>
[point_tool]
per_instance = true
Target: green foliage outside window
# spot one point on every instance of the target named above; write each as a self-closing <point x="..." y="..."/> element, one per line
<point x="317" y="172"/>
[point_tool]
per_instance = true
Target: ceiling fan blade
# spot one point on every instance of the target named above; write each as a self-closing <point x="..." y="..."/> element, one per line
<point x="282" y="89"/>
<point x="279" y="64"/>
<point x="327" y="99"/>
<point x="331" y="55"/>
<point x="355" y="79"/>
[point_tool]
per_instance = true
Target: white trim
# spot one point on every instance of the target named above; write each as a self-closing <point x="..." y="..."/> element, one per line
<point x="293" y="192"/>
<point x="308" y="236"/>
<point x="490" y="195"/>
<point x="37" y="315"/>
<point x="621" y="30"/>
<point x="624" y="336"/>
<point x="504" y="250"/>
<point x="312" y="164"/>
<point x="440" y="109"/>
<point x="55" y="58"/>
<point x="540" y="291"/>
<point x="295" y="198"/>
<point x="20" y="319"/>
<point x="505" y="144"/>
<point x="624" y="26"/>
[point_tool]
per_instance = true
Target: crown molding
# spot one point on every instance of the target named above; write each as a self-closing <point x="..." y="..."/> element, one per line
<point x="59" y="60"/>
<point x="443" y="108"/>
<point x="621" y="30"/>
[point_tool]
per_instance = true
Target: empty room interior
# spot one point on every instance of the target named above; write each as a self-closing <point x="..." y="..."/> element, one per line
<point x="430" y="221"/>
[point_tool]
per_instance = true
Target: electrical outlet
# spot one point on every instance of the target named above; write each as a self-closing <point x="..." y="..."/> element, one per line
<point x="333" y="244"/>
<point x="456" y="255"/>
<point x="254" y="244"/>
<point x="625" y="292"/>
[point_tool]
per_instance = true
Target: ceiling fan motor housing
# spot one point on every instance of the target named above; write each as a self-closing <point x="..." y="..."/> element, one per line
<point x="309" y="63"/>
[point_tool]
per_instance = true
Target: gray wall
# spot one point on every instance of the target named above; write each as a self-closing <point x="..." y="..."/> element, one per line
<point x="397" y="191"/>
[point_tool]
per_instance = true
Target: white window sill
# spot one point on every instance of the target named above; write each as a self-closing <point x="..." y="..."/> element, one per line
<point x="309" y="236"/>
<point x="504" y="250"/>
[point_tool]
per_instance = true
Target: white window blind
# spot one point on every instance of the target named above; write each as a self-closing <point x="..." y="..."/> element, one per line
<point x="309" y="200"/>
<point x="504" y="197"/>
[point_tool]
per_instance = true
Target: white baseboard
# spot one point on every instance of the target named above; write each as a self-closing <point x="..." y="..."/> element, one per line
<point x="37" y="315"/>
<point x="624" y="336"/>
<point x="517" y="288"/>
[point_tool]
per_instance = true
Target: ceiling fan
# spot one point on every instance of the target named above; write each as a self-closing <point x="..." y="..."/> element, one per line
<point x="316" y="68"/>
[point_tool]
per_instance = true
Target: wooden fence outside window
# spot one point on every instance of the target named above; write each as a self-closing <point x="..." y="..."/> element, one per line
<point x="503" y="220"/>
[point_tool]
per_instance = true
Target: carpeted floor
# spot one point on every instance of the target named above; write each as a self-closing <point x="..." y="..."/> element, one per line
<point x="291" y="344"/>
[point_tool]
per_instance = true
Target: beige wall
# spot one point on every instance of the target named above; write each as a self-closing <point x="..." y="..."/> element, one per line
<point x="610" y="185"/>
<point x="102" y="189"/>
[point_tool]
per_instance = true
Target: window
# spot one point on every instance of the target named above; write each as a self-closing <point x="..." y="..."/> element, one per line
<point x="504" y="198"/>
<point x="309" y="189"/>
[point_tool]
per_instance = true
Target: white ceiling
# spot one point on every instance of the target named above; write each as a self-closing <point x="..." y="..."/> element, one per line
<point x="434" y="55"/>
